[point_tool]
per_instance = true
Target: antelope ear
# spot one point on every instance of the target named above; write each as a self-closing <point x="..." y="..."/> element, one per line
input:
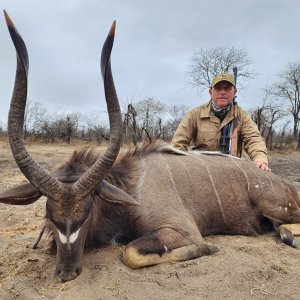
<point x="22" y="194"/>
<point x="114" y="195"/>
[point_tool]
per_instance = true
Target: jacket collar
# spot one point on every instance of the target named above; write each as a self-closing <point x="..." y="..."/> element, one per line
<point x="207" y="113"/>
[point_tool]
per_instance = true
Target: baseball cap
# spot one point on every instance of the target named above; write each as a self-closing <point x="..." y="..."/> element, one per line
<point x="223" y="77"/>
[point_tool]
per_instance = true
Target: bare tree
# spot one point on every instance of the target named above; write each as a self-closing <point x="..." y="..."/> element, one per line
<point x="47" y="132"/>
<point x="266" y="115"/>
<point x="149" y="113"/>
<point x="69" y="129"/>
<point x="282" y="134"/>
<point x="258" y="117"/>
<point x="67" y="126"/>
<point x="273" y="114"/>
<point x="61" y="126"/>
<point x="130" y="125"/>
<point x="34" y="116"/>
<point x="89" y="122"/>
<point x="3" y="132"/>
<point x="176" y="112"/>
<point x="259" y="113"/>
<point x="93" y="127"/>
<point x="207" y="63"/>
<point x="288" y="89"/>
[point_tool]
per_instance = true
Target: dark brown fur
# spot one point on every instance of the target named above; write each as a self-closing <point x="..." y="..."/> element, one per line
<point x="114" y="222"/>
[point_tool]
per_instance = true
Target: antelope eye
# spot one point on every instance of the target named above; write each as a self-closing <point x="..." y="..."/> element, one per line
<point x="60" y="226"/>
<point x="74" y="224"/>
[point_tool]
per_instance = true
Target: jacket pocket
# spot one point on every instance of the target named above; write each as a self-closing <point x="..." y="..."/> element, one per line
<point x="207" y="140"/>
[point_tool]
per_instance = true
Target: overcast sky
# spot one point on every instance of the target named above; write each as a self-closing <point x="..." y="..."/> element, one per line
<point x="155" y="41"/>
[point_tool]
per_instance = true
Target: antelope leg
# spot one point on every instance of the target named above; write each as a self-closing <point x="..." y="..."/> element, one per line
<point x="163" y="245"/>
<point x="34" y="246"/>
<point x="293" y="228"/>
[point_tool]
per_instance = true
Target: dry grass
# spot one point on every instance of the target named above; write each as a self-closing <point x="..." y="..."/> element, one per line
<point x="10" y="232"/>
<point x="245" y="268"/>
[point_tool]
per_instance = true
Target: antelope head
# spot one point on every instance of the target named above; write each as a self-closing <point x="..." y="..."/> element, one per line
<point x="69" y="204"/>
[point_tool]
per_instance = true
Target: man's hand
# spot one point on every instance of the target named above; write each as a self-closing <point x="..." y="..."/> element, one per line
<point x="262" y="166"/>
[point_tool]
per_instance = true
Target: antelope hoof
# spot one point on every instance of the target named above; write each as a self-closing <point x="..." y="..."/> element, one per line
<point x="287" y="237"/>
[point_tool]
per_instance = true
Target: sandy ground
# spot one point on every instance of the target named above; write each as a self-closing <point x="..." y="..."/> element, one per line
<point x="245" y="267"/>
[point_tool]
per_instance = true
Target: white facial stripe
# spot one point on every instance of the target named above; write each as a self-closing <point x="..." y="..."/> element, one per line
<point x="72" y="238"/>
<point x="62" y="237"/>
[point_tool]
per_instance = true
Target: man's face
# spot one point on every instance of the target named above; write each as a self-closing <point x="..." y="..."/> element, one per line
<point x="222" y="93"/>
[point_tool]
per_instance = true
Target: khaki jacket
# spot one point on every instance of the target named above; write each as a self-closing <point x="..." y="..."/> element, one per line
<point x="203" y="129"/>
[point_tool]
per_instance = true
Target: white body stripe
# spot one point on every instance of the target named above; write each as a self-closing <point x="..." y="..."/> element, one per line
<point x="141" y="180"/>
<point x="216" y="193"/>
<point x="245" y="174"/>
<point x="215" y="190"/>
<point x="172" y="180"/>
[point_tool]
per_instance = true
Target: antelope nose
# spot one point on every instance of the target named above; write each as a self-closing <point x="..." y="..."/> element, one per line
<point x="67" y="275"/>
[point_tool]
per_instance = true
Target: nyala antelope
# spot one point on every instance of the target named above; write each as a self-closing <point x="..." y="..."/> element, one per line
<point x="158" y="201"/>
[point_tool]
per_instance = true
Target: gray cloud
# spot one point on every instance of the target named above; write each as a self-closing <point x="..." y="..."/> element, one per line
<point x="154" y="42"/>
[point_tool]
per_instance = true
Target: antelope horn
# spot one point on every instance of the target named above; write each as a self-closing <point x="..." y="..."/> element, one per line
<point x="41" y="179"/>
<point x="87" y="182"/>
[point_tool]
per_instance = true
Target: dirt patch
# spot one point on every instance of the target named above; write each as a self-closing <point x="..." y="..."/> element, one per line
<point x="244" y="268"/>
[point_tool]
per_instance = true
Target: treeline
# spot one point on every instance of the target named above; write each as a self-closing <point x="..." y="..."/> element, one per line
<point x="146" y="119"/>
